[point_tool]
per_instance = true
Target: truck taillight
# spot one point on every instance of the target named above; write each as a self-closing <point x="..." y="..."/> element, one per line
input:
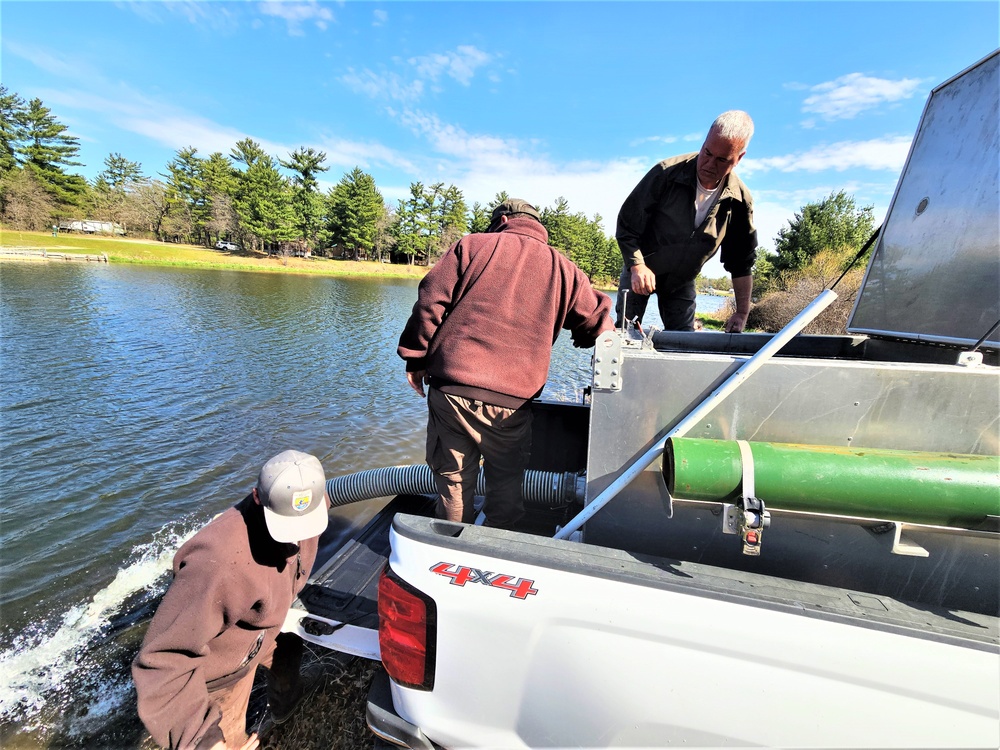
<point x="407" y="629"/>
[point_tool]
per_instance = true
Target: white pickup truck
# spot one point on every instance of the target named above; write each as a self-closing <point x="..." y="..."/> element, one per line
<point x="812" y="561"/>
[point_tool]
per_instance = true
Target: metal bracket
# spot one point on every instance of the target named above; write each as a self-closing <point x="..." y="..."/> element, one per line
<point x="730" y="518"/>
<point x="337" y="636"/>
<point x="900" y="546"/>
<point x="608" y="362"/>
<point x="970" y="359"/>
<point x="905" y="547"/>
<point x="576" y="536"/>
<point x="749" y="517"/>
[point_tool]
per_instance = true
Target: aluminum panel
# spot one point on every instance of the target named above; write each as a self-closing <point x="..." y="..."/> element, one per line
<point x="817" y="402"/>
<point x="935" y="273"/>
<point x="940" y="408"/>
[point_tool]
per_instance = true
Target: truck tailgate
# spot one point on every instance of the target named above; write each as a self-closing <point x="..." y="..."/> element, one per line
<point x="338" y="608"/>
<point x="544" y="643"/>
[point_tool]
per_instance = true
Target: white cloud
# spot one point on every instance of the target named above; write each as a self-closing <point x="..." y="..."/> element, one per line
<point x="483" y="165"/>
<point x="410" y="85"/>
<point x="460" y="64"/>
<point x="654" y="139"/>
<point x="848" y="96"/>
<point x="197" y="12"/>
<point x="60" y="66"/>
<point x="453" y="141"/>
<point x="297" y="14"/>
<point x="380" y="17"/>
<point x="382" y="85"/>
<point x="589" y="187"/>
<point x="887" y="154"/>
<point x="169" y="126"/>
<point x="768" y="218"/>
<point x="179" y="131"/>
<point x="345" y="154"/>
<point x="176" y="129"/>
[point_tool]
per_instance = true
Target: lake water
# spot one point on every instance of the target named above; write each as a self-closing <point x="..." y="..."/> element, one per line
<point x="136" y="403"/>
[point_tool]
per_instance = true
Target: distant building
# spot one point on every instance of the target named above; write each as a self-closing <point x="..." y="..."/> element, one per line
<point x="90" y="226"/>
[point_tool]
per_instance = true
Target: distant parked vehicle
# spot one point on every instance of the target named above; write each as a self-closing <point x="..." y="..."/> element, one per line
<point x="224" y="245"/>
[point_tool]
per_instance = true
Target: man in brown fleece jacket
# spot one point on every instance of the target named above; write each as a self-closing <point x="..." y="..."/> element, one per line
<point x="234" y="582"/>
<point x="481" y="335"/>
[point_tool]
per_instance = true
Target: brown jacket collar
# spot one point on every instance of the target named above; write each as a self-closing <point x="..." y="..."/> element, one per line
<point x="687" y="174"/>
<point x="527" y="226"/>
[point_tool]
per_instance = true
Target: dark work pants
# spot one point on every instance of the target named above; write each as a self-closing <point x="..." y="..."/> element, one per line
<point x="282" y="662"/>
<point x="675" y="300"/>
<point x="459" y="432"/>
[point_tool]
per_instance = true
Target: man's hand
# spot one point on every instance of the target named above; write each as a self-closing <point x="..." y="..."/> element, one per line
<point x="643" y="280"/>
<point x="736" y="323"/>
<point x="417" y="380"/>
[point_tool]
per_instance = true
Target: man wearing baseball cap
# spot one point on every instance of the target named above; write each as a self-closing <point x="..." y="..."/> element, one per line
<point x="234" y="582"/>
<point x="481" y="335"/>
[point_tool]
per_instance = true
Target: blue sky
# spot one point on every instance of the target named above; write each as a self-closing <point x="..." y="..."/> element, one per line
<point x="572" y="99"/>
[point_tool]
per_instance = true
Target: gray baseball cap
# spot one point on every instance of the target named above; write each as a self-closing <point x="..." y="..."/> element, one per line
<point x="513" y="207"/>
<point x="291" y="489"/>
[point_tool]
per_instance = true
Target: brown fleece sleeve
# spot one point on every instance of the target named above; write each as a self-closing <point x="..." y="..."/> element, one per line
<point x="174" y="703"/>
<point x="435" y="298"/>
<point x="589" y="313"/>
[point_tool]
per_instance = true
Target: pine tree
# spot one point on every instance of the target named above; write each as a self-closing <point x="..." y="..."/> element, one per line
<point x="410" y="228"/>
<point x="12" y="129"/>
<point x="355" y="214"/>
<point x="113" y="189"/>
<point x="479" y="218"/>
<point x="120" y="173"/>
<point x="47" y="150"/>
<point x="263" y="198"/>
<point x="307" y="203"/>
<point x="220" y="180"/>
<point x="188" y="206"/>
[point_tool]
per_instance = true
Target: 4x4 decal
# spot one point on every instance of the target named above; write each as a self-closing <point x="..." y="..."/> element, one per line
<point x="461" y="575"/>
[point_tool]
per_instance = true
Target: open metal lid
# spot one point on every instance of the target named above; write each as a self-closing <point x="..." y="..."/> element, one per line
<point x="935" y="273"/>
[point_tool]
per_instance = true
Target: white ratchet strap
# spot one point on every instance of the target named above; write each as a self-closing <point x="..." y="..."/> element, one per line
<point x="749" y="490"/>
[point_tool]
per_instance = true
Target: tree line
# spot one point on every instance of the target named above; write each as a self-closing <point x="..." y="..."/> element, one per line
<point x="273" y="205"/>
<point x="254" y="199"/>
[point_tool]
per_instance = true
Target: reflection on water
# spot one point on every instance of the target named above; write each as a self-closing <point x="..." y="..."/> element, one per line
<point x="136" y="404"/>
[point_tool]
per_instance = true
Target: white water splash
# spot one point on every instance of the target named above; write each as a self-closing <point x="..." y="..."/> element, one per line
<point x="36" y="668"/>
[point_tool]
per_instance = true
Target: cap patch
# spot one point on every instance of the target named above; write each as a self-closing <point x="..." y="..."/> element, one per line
<point x="302" y="500"/>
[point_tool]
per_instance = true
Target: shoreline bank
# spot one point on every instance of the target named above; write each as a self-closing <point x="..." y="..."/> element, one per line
<point x="15" y="247"/>
<point x="176" y="255"/>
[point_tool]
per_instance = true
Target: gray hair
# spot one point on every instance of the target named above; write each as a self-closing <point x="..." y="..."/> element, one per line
<point x="734" y="125"/>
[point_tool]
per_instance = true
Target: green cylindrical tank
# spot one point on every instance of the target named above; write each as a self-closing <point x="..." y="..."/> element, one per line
<point x="943" y="489"/>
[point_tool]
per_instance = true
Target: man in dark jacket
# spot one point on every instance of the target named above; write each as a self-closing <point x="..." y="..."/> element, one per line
<point x="234" y="582"/>
<point x="678" y="217"/>
<point x="481" y="336"/>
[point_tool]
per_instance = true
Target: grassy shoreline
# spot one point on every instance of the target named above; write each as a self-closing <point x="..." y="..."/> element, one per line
<point x="176" y="255"/>
<point x="153" y="253"/>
